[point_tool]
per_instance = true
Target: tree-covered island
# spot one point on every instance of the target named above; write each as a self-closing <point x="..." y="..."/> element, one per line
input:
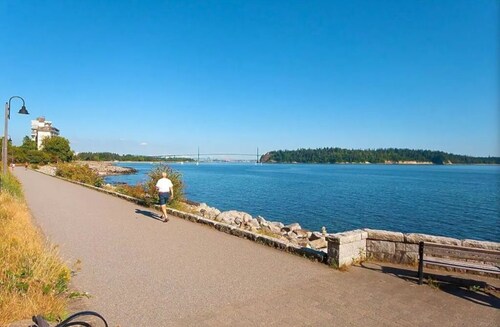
<point x="384" y="156"/>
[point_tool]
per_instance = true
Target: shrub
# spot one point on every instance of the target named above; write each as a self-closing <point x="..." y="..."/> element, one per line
<point x="176" y="177"/>
<point x="136" y="191"/>
<point x="79" y="173"/>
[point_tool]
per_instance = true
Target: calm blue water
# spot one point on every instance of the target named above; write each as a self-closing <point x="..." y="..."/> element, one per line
<point x="455" y="201"/>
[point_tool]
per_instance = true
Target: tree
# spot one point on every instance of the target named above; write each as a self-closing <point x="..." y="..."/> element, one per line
<point x="28" y="143"/>
<point x="58" y="148"/>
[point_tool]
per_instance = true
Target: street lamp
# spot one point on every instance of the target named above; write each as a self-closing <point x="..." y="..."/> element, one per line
<point x="22" y="111"/>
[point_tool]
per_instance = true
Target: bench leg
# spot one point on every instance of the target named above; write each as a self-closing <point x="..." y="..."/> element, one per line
<point x="420" y="263"/>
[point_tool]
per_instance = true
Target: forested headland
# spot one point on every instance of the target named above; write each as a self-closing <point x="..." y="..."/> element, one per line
<point x="108" y="156"/>
<point x="390" y="155"/>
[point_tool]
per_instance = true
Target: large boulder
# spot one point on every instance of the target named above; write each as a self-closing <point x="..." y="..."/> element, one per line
<point x="318" y="244"/>
<point x="302" y="233"/>
<point x="254" y="223"/>
<point x="291" y="227"/>
<point x="230" y="216"/>
<point x="207" y="211"/>
<point x="315" y="236"/>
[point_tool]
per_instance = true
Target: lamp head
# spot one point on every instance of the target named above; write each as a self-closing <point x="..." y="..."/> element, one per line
<point x="23" y="110"/>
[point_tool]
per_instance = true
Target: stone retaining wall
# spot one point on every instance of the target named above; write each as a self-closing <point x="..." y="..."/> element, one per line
<point x="354" y="246"/>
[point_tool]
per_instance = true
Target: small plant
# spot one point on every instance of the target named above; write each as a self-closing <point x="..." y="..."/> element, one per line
<point x="79" y="295"/>
<point x="474" y="288"/>
<point x="267" y="232"/>
<point x="433" y="283"/>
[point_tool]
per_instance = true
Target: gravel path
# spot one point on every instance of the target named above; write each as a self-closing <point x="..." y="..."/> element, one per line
<point x="142" y="272"/>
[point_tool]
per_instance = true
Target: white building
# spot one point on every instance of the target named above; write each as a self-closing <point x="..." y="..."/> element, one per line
<point x="40" y="129"/>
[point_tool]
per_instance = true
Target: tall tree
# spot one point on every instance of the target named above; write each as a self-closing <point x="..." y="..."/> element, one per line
<point x="28" y="143"/>
<point x="58" y="148"/>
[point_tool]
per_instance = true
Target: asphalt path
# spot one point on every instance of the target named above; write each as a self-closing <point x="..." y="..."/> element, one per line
<point x="143" y="272"/>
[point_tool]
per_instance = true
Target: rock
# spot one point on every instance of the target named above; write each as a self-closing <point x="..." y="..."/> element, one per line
<point x="238" y="221"/>
<point x="254" y="223"/>
<point x="230" y="216"/>
<point x="319" y="243"/>
<point x="316" y="236"/>
<point x="261" y="220"/>
<point x="273" y="228"/>
<point x="279" y="224"/>
<point x="291" y="227"/>
<point x="301" y="233"/>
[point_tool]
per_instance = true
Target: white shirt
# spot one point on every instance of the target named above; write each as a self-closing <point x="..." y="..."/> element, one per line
<point x="164" y="184"/>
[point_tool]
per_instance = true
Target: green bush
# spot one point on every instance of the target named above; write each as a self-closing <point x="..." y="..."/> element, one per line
<point x="176" y="177"/>
<point x="79" y="173"/>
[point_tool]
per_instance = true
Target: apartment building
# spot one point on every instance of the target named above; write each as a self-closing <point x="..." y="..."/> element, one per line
<point x="40" y="129"/>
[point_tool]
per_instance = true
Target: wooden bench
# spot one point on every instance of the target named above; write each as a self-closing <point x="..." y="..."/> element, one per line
<point x="458" y="257"/>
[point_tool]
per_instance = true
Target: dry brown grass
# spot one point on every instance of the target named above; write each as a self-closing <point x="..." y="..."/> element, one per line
<point x="33" y="280"/>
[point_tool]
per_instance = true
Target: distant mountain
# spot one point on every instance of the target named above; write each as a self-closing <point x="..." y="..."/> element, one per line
<point x="391" y="156"/>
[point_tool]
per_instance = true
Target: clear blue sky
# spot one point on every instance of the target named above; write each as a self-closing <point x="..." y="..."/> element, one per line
<point x="156" y="77"/>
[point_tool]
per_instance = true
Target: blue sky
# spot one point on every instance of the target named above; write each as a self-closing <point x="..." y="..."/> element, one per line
<point x="158" y="77"/>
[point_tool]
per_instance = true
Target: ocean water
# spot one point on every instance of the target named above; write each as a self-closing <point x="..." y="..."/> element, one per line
<point x="455" y="201"/>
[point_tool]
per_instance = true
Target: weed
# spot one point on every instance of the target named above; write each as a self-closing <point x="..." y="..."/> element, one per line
<point x="474" y="288"/>
<point x="267" y="232"/>
<point x="79" y="295"/>
<point x="433" y="283"/>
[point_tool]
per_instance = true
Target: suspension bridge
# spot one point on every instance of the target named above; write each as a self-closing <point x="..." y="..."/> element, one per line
<point x="215" y="156"/>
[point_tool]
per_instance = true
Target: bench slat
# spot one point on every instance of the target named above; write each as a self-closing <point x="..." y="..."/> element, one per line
<point x="458" y="247"/>
<point x="461" y="265"/>
<point x="463" y="253"/>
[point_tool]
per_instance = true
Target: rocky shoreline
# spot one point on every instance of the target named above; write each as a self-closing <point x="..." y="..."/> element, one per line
<point x="107" y="168"/>
<point x="103" y="168"/>
<point x="291" y="234"/>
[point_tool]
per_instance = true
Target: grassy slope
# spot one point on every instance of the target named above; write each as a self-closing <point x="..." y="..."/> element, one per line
<point x="33" y="280"/>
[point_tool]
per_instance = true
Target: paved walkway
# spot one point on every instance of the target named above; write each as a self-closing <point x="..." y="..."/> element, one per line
<point x="142" y="272"/>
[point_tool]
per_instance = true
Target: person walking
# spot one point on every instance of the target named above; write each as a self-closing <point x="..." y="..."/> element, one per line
<point x="166" y="192"/>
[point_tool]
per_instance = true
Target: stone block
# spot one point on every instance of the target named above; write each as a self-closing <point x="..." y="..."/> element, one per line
<point x="408" y="258"/>
<point x="383" y="235"/>
<point x="481" y="245"/>
<point x="380" y="247"/>
<point x="399" y="246"/>
<point x="416" y="238"/>
<point x="348" y="237"/>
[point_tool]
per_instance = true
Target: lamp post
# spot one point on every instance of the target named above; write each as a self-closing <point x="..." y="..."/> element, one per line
<point x="22" y="111"/>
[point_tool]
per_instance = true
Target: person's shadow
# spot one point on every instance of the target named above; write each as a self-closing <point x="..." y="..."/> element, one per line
<point x="149" y="214"/>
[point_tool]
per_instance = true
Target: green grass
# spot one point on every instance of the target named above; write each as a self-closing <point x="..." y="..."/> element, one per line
<point x="11" y="185"/>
